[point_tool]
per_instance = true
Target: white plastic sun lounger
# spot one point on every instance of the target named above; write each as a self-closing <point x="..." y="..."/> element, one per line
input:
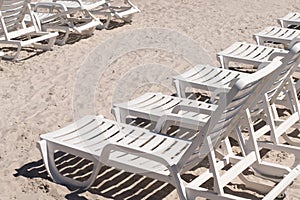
<point x="12" y="27"/>
<point x="212" y="79"/>
<point x="246" y="53"/>
<point x="138" y="150"/>
<point x="101" y="7"/>
<point x="153" y="106"/>
<point x="124" y="12"/>
<point x="276" y="35"/>
<point x="206" y="77"/>
<point x="292" y="18"/>
<point x="56" y="17"/>
<point x="254" y="55"/>
<point x="72" y="6"/>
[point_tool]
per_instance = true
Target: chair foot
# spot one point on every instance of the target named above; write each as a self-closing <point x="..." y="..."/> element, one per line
<point x="180" y="89"/>
<point x="47" y="152"/>
<point x="179" y="184"/>
<point x="119" y="114"/>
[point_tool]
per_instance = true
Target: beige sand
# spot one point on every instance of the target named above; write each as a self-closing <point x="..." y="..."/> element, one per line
<point x="37" y="93"/>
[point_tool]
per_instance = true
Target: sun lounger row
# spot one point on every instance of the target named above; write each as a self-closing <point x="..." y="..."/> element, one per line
<point x="24" y="24"/>
<point x="238" y="101"/>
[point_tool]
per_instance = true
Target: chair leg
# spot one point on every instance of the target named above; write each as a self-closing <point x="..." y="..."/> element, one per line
<point x="282" y="23"/>
<point x="119" y="115"/>
<point x="259" y="40"/>
<point x="50" y="43"/>
<point x="89" y="32"/>
<point x="297" y="86"/>
<point x="106" y="24"/>
<point x="45" y="47"/>
<point x="165" y="128"/>
<point x="127" y="18"/>
<point x="271" y="120"/>
<point x="259" y="187"/>
<point x="65" y="30"/>
<point x="180" y="89"/>
<point x="223" y="61"/>
<point x="226" y="147"/>
<point x="217" y="177"/>
<point x="64" y="39"/>
<point x="290" y="141"/>
<point x="15" y="57"/>
<point x="47" y="152"/>
<point x="179" y="184"/>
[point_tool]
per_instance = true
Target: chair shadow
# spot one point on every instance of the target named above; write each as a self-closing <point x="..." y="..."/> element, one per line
<point x="114" y="24"/>
<point x="74" y="37"/>
<point x="294" y="27"/>
<point x="31" y="52"/>
<point x="202" y="96"/>
<point x="110" y="183"/>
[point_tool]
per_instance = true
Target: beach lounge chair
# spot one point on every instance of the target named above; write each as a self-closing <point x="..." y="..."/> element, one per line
<point x="14" y="31"/>
<point x="276" y="35"/>
<point x="123" y="12"/>
<point x="252" y="54"/>
<point x="283" y="35"/>
<point x="291" y="19"/>
<point x="247" y="53"/>
<point x="153" y="106"/>
<point x="158" y="156"/>
<point x="56" y="17"/>
<point x="212" y="78"/>
<point x="101" y="7"/>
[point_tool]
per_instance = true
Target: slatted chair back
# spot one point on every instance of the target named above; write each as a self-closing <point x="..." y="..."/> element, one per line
<point x="290" y="64"/>
<point x="243" y="93"/>
<point x="12" y="13"/>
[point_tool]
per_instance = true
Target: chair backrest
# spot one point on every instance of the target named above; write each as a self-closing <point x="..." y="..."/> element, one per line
<point x="290" y="64"/>
<point x="72" y="3"/>
<point x="243" y="93"/>
<point x="12" y="13"/>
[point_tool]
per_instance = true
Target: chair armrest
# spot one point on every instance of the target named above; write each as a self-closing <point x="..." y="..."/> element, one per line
<point x="221" y="92"/>
<point x="50" y="6"/>
<point x="185" y="122"/>
<point x="276" y="54"/>
<point x="294" y="41"/>
<point x="127" y="149"/>
<point x="193" y="108"/>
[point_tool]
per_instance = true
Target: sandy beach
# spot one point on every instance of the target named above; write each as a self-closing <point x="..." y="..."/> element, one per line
<point x="39" y="93"/>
